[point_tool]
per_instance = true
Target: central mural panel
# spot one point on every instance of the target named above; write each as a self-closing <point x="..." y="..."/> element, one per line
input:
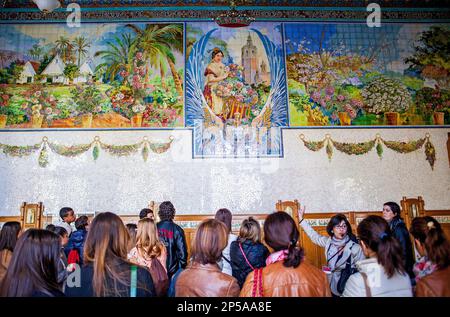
<point x="236" y="97"/>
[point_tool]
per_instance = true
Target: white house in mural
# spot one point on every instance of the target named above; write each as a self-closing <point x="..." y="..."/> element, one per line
<point x="54" y="72"/>
<point x="86" y="74"/>
<point x="30" y="70"/>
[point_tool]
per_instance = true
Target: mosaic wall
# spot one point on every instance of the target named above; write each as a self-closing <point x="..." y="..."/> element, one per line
<point x="244" y="185"/>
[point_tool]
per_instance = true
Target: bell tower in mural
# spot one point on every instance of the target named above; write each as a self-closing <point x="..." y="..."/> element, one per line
<point x="249" y="61"/>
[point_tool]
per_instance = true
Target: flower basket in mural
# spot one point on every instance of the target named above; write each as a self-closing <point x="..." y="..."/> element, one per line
<point x="86" y="120"/>
<point x="3" y="120"/>
<point x="392" y="118"/>
<point x="88" y="100"/>
<point x="438" y="117"/>
<point x="344" y="118"/>
<point x="433" y="104"/>
<point x="386" y="95"/>
<point x="39" y="104"/>
<point x="238" y="97"/>
<point x="340" y="107"/>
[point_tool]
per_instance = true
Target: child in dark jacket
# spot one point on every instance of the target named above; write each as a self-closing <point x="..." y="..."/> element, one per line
<point x="247" y="252"/>
<point x="77" y="239"/>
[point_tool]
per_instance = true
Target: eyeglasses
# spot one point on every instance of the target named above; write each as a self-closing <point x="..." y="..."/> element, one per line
<point x="344" y="226"/>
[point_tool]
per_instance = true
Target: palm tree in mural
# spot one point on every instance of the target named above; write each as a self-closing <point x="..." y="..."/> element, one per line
<point x="157" y="42"/>
<point x="64" y="47"/>
<point x="117" y="57"/>
<point x="36" y="52"/>
<point x="81" y="45"/>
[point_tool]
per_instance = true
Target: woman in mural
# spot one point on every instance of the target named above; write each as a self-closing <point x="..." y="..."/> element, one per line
<point x="215" y="72"/>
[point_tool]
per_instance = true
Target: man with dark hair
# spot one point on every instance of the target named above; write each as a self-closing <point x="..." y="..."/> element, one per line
<point x="146" y="213"/>
<point x="67" y="217"/>
<point x="173" y="238"/>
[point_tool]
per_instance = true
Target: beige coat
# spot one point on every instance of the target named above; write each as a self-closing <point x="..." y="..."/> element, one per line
<point x="379" y="283"/>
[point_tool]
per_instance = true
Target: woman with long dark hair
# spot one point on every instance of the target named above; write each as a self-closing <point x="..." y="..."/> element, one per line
<point x="342" y="250"/>
<point x="433" y="269"/>
<point x="285" y="274"/>
<point x="8" y="239"/>
<point x="33" y="270"/>
<point x="383" y="273"/>
<point x="106" y="271"/>
<point x="391" y="213"/>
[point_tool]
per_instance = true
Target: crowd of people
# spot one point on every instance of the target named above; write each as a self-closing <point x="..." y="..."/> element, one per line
<point x="105" y="257"/>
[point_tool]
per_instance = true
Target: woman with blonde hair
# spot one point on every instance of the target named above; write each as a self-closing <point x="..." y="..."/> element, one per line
<point x="148" y="246"/>
<point x="247" y="252"/>
<point x="151" y="253"/>
<point x="203" y="277"/>
<point x="106" y="271"/>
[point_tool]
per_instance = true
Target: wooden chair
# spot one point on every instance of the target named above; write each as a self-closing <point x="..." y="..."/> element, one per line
<point x="289" y="206"/>
<point x="411" y="208"/>
<point x="31" y="215"/>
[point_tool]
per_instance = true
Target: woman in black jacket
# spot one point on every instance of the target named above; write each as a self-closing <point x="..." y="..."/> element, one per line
<point x="391" y="213"/>
<point x="78" y="238"/>
<point x="247" y="252"/>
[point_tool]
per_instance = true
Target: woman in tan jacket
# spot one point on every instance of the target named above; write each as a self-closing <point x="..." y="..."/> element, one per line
<point x="8" y="238"/>
<point x="285" y="274"/>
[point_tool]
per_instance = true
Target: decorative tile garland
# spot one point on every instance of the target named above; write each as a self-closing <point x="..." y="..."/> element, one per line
<point x="365" y="147"/>
<point x="77" y="149"/>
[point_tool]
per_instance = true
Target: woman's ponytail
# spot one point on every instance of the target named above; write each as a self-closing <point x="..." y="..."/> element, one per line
<point x="374" y="231"/>
<point x="429" y="232"/>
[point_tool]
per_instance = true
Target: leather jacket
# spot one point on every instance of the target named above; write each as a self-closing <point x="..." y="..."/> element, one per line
<point x="172" y="235"/>
<point x="205" y="280"/>
<point x="279" y="281"/>
<point x="437" y="284"/>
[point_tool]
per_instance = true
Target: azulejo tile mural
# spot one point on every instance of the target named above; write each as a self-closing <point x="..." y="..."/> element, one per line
<point x="100" y="75"/>
<point x="350" y="74"/>
<point x="235" y="89"/>
<point x="243" y="85"/>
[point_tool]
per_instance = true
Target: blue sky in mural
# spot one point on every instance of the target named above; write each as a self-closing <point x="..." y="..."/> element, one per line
<point x="390" y="44"/>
